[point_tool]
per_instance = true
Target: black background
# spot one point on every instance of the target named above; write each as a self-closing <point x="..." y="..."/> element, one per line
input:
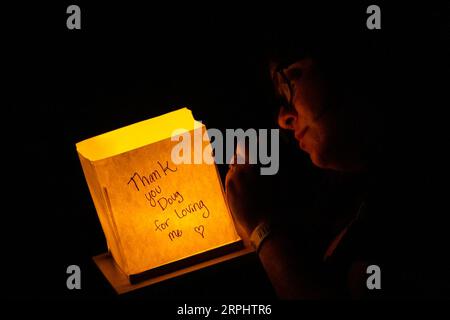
<point x="131" y="62"/>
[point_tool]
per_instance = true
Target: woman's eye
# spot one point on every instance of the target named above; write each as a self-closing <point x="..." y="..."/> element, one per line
<point x="295" y="74"/>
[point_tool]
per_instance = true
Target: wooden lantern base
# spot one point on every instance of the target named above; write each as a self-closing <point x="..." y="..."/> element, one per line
<point x="121" y="283"/>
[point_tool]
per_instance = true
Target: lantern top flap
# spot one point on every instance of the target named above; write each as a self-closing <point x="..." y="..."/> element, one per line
<point x="138" y="135"/>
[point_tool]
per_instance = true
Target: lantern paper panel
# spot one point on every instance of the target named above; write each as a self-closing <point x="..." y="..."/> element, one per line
<point x="155" y="212"/>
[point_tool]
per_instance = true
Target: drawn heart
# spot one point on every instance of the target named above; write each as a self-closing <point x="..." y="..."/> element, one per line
<point x="200" y="230"/>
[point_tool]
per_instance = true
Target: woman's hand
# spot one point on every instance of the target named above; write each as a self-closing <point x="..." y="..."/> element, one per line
<point x="250" y="195"/>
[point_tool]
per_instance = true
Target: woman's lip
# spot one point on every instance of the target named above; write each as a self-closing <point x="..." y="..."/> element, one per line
<point x="302" y="145"/>
<point x="299" y="135"/>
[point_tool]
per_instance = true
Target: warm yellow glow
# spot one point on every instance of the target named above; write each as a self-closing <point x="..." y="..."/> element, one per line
<point x="137" y="135"/>
<point x="152" y="211"/>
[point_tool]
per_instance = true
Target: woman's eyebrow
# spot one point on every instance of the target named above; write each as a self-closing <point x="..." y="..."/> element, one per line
<point x="295" y="70"/>
<point x="294" y="73"/>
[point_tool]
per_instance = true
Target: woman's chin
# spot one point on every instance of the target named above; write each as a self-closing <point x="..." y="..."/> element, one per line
<point x="316" y="160"/>
<point x="320" y="161"/>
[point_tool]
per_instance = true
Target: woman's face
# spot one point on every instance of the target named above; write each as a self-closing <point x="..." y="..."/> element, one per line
<point x="311" y="114"/>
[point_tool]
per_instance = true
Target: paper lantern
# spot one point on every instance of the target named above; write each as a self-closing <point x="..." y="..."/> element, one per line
<point x="158" y="217"/>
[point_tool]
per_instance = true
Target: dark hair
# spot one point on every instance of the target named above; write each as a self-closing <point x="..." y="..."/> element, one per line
<point x="335" y="36"/>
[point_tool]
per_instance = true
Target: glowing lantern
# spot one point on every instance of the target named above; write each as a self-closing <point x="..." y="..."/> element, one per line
<point x="158" y="217"/>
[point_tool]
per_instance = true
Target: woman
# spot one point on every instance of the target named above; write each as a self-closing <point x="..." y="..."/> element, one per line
<point x="362" y="232"/>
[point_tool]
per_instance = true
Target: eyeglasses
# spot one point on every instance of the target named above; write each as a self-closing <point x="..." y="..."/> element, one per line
<point x="285" y="90"/>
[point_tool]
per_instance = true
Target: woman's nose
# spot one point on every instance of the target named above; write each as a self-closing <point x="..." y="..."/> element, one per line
<point x="287" y="118"/>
